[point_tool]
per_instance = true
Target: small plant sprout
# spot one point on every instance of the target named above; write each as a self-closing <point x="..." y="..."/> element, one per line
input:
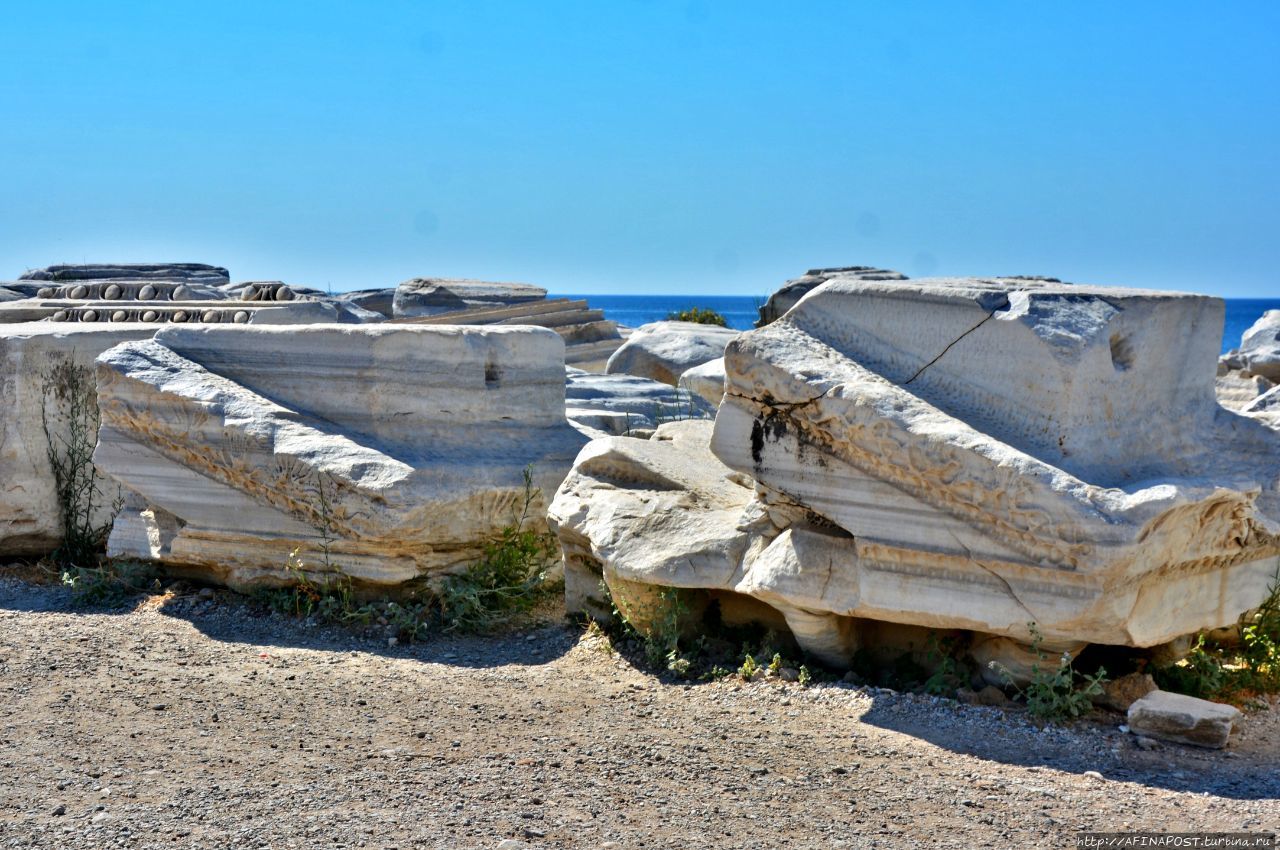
<point x="1055" y="692"/>
<point x="1236" y="671"/>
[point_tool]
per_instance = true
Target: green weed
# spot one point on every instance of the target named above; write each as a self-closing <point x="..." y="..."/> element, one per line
<point x="507" y="580"/>
<point x="109" y="583"/>
<point x="1055" y="692"/>
<point x="69" y="418"/>
<point x="948" y="673"/>
<point x="1235" y="672"/>
<point x="701" y="315"/>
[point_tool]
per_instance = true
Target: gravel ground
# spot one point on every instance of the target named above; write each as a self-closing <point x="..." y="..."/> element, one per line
<point x="194" y="722"/>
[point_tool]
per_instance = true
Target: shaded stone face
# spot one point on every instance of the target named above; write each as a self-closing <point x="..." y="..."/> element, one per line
<point x="792" y="291"/>
<point x="188" y="272"/>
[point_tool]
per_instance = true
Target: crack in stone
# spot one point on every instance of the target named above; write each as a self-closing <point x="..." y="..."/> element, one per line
<point x="920" y="371"/>
<point x="1008" y="587"/>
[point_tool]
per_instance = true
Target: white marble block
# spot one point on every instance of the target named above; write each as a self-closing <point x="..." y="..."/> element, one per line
<point x="1058" y="444"/>
<point x="663" y="351"/>
<point x="385" y="453"/>
<point x="968" y="454"/>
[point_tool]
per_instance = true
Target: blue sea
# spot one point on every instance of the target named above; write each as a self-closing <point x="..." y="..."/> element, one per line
<point x="741" y="311"/>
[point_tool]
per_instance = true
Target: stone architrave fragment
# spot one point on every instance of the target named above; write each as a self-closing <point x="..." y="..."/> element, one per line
<point x="384" y="453"/>
<point x="970" y="454"/>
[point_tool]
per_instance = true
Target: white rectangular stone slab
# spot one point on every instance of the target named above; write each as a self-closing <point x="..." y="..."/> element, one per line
<point x="416" y="436"/>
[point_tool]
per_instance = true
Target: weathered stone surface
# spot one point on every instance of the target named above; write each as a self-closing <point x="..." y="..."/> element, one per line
<point x="968" y="455"/>
<point x="1183" y="719"/>
<point x="130" y="290"/>
<point x="189" y="272"/>
<point x="378" y="300"/>
<point x="13" y="290"/>
<point x="385" y="453"/>
<point x="429" y="296"/>
<point x="1001" y="660"/>
<point x="664" y="351"/>
<point x="1259" y="352"/>
<point x="706" y="381"/>
<point x="792" y="291"/>
<point x="1058" y="450"/>
<point x="313" y="312"/>
<point x="588" y="336"/>
<point x="655" y="512"/>
<point x="612" y="405"/>
<point x="30" y="354"/>
<point x="1236" y="390"/>
<point x="302" y="312"/>
<point x="1265" y="408"/>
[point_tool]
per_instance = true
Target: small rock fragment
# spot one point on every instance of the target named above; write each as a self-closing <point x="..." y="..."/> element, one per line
<point x="1183" y="719"/>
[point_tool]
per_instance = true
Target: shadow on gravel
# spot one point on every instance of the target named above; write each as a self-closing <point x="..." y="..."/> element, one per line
<point x="231" y="618"/>
<point x="19" y="591"/>
<point x="1013" y="739"/>
<point x="241" y="621"/>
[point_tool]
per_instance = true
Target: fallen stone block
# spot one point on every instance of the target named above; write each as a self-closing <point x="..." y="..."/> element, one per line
<point x="589" y="338"/>
<point x="613" y="405"/>
<point x="430" y="296"/>
<point x="663" y="351"/>
<point x="1057" y="449"/>
<point x="1259" y="352"/>
<point x="790" y="293"/>
<point x="1183" y="719"/>
<point x="188" y="272"/>
<point x="382" y="453"/>
<point x="706" y="381"/>
<point x="130" y="290"/>
<point x="378" y="300"/>
<point x="972" y="455"/>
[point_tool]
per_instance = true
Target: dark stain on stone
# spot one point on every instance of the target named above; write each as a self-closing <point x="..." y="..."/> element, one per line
<point x="772" y="426"/>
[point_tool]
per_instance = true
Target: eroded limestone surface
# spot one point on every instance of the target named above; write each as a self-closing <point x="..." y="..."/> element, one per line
<point x="385" y="453"/>
<point x="973" y="454"/>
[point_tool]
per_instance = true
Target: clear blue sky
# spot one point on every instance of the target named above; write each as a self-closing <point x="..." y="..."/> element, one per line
<point x="683" y="147"/>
